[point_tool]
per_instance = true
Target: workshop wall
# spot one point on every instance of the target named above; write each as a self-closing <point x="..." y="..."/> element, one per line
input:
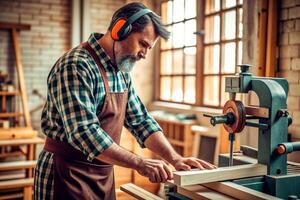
<point x="48" y="38"/>
<point x="289" y="58"/>
<point x="101" y="12"/>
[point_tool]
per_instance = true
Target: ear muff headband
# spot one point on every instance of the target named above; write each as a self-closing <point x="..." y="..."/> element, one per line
<point x="122" y="27"/>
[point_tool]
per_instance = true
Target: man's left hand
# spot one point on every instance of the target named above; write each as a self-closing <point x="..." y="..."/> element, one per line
<point x="191" y="162"/>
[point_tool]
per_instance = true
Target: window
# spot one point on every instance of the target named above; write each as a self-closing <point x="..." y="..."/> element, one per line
<point x="178" y="55"/>
<point x="193" y="63"/>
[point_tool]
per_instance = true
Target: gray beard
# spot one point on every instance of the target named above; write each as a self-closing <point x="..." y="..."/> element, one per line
<point x="126" y="64"/>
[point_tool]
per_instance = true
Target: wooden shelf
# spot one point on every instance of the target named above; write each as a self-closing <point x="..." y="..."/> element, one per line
<point x="17" y="133"/>
<point x="11" y="154"/>
<point x="11" y="176"/>
<point x="6" y="93"/>
<point x="179" y="134"/>
<point x="17" y="142"/>
<point x="19" y="183"/>
<point x="6" y="115"/>
<point x="15" y="165"/>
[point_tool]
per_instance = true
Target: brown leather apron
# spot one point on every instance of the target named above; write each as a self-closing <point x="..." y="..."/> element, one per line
<point x="74" y="176"/>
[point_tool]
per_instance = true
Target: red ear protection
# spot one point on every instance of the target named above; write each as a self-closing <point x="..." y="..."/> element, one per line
<point x="122" y="27"/>
<point x="116" y="28"/>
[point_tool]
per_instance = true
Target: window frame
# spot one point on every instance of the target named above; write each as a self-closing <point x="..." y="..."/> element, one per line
<point x="200" y="46"/>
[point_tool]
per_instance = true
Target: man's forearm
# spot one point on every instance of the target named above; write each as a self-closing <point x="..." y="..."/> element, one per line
<point x="159" y="144"/>
<point x="117" y="155"/>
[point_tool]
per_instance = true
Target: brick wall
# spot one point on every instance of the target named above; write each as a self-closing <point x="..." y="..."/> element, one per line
<point x="101" y="12"/>
<point x="289" y="57"/>
<point x="48" y="38"/>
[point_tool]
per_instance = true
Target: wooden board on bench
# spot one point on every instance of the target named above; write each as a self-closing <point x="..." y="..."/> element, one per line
<point x="193" y="177"/>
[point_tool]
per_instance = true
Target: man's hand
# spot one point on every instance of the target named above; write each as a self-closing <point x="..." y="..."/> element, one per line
<point x="156" y="170"/>
<point x="187" y="163"/>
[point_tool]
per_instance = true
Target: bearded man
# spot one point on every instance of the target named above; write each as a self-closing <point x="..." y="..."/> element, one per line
<point x="90" y="98"/>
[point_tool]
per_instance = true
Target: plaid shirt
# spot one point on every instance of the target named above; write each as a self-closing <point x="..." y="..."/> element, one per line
<point x="75" y="96"/>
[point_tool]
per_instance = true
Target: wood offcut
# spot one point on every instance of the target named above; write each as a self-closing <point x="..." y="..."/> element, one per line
<point x="138" y="192"/>
<point x="238" y="191"/>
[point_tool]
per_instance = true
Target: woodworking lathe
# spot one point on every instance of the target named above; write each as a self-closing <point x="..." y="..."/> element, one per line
<point x="249" y="174"/>
<point x="257" y="174"/>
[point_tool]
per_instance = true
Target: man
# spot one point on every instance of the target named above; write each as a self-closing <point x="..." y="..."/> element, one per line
<point x="90" y="98"/>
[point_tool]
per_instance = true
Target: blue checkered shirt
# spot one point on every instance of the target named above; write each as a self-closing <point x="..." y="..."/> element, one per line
<point x="75" y="96"/>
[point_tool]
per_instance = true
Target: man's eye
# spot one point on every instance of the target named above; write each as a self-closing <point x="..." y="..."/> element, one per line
<point x="143" y="44"/>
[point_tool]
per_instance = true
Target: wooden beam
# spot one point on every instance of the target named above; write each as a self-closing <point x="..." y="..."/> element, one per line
<point x="200" y="192"/>
<point x="238" y="191"/>
<point x="17" y="52"/>
<point x="257" y="111"/>
<point x="138" y="192"/>
<point x="185" y="178"/>
<point x="262" y="36"/>
<point x="9" y="26"/>
<point x="272" y="38"/>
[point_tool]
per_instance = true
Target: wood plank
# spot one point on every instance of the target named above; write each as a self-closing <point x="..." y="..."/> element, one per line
<point x="120" y="195"/>
<point x="17" y="142"/>
<point x="4" y="25"/>
<point x="238" y="191"/>
<point x="257" y="111"/>
<point x="20" y="183"/>
<point x="6" y="93"/>
<point x="3" y="106"/>
<point x="17" y="133"/>
<point x="17" y="52"/>
<point x="4" y="177"/>
<point x="271" y="61"/>
<point x="201" y="193"/>
<point x="10" y="114"/>
<point x="11" y="196"/>
<point x="138" y="192"/>
<point x="17" y="165"/>
<point x="262" y="37"/>
<point x="192" y="177"/>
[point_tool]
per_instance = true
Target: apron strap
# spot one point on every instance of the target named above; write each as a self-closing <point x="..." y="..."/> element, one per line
<point x="124" y="79"/>
<point x="88" y="47"/>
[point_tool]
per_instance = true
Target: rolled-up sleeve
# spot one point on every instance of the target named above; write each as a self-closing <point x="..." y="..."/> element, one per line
<point x="71" y="91"/>
<point x="138" y="121"/>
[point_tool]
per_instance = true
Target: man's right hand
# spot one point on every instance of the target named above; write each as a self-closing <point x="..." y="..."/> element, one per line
<point x="156" y="170"/>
